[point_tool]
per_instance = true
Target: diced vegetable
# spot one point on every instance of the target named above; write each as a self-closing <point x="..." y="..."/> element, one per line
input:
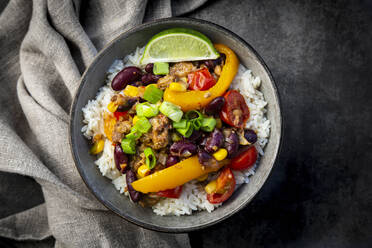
<point x="143" y="125"/>
<point x="135" y="119"/>
<point x="128" y="146"/>
<point x="196" y="118"/>
<point x="173" y="176"/>
<point x="131" y="90"/>
<point x="152" y="94"/>
<point x="150" y="157"/>
<point x="181" y="124"/>
<point x="161" y="68"/>
<point x="196" y="124"/>
<point x="112" y="107"/>
<point x="187" y="131"/>
<point x="201" y="80"/>
<point x="143" y="171"/>
<point x="220" y="154"/>
<point x="108" y="125"/>
<point x="147" y="109"/>
<point x="97" y="147"/>
<point x="171" y="110"/>
<point x="208" y="124"/>
<point x="134" y="134"/>
<point x="118" y="114"/>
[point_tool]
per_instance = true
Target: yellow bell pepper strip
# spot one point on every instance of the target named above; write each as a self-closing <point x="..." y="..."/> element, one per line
<point x="174" y="175"/>
<point x="197" y="99"/>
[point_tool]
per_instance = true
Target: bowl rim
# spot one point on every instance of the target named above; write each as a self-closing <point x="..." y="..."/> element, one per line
<point x="73" y="113"/>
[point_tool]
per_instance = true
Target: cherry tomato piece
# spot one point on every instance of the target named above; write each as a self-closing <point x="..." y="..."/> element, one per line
<point x="201" y="79"/>
<point x="225" y="187"/>
<point x="235" y="111"/>
<point x="245" y="159"/>
<point x="171" y="193"/>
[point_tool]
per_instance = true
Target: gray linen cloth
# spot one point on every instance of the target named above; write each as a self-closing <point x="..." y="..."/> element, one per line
<point x="45" y="46"/>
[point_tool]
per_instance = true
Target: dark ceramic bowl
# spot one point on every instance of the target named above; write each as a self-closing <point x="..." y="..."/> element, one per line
<point x="93" y="79"/>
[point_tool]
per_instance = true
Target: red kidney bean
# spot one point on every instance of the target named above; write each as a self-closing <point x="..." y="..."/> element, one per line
<point x="215" y="106"/>
<point x="172" y="160"/>
<point x="232" y="144"/>
<point x="182" y="149"/>
<point x="204" y="157"/>
<point x="149" y="68"/>
<point x="120" y="158"/>
<point x="250" y="136"/>
<point x="131" y="177"/>
<point x="126" y="76"/>
<point x="195" y="137"/>
<point x="149" y="78"/>
<point x="214" y="141"/>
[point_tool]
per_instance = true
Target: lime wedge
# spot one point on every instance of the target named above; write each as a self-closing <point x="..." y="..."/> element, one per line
<point x="178" y="44"/>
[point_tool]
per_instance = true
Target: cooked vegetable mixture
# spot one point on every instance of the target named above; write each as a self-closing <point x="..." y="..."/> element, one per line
<point x="171" y="123"/>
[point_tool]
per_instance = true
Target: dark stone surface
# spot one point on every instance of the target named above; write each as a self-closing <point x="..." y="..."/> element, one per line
<point x="319" y="193"/>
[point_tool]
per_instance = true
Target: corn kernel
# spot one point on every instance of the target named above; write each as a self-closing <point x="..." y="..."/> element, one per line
<point x="220" y="154"/>
<point x="202" y="178"/>
<point x="131" y="90"/>
<point x="177" y="87"/>
<point x="143" y="171"/>
<point x="112" y="107"/>
<point x="135" y="119"/>
<point x="211" y="187"/>
<point x="97" y="147"/>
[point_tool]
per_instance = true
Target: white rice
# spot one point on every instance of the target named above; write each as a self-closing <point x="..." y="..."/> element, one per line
<point x="193" y="197"/>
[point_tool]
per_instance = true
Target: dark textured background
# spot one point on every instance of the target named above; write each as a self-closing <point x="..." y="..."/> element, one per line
<point x="319" y="193"/>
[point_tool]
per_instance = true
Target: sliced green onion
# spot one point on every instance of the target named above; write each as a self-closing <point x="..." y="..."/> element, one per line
<point x="147" y="109"/>
<point x="181" y="124"/>
<point x="197" y="124"/>
<point x="128" y="146"/>
<point x="150" y="157"/>
<point x="171" y="110"/>
<point x="193" y="114"/>
<point x="195" y="117"/>
<point x="152" y="94"/>
<point x="134" y="133"/>
<point x="143" y="125"/>
<point x="161" y="68"/>
<point x="208" y="124"/>
<point x="186" y="132"/>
